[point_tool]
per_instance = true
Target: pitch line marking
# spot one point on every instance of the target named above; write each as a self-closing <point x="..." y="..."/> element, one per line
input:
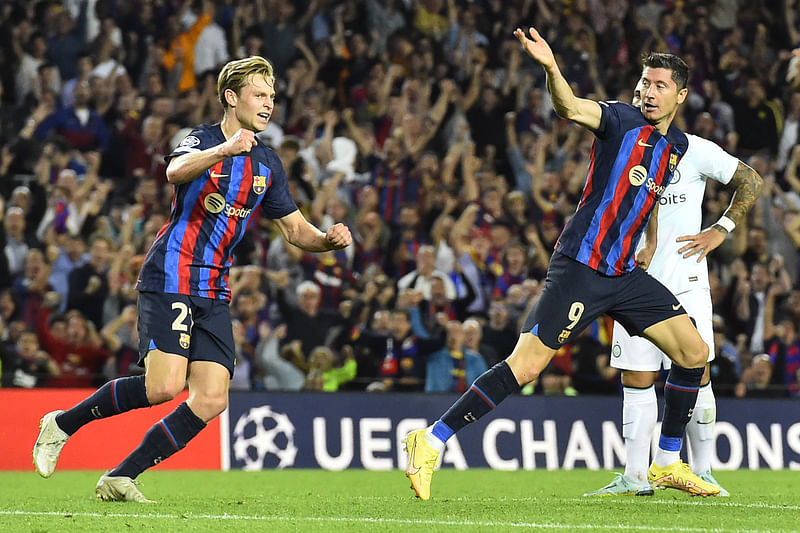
<point x="322" y="519"/>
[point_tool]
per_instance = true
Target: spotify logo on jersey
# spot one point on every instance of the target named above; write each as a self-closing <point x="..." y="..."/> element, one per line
<point x="214" y="203"/>
<point x="637" y="175"/>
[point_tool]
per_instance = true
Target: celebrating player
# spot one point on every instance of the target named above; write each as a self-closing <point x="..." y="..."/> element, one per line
<point x="679" y="221"/>
<point x="221" y="173"/>
<point x="593" y="270"/>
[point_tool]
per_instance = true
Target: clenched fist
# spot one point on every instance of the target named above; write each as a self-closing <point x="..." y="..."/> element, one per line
<point x="240" y="142"/>
<point x="338" y="236"/>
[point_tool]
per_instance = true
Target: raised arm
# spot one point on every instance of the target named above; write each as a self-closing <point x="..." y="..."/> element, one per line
<point x="190" y="166"/>
<point x="585" y="112"/>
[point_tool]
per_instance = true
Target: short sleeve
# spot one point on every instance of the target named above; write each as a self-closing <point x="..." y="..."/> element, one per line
<point x="609" y="120"/>
<point x="278" y="201"/>
<point x="710" y="160"/>
<point x="198" y="140"/>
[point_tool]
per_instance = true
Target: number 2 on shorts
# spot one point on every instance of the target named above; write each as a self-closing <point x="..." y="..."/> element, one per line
<point x="183" y="311"/>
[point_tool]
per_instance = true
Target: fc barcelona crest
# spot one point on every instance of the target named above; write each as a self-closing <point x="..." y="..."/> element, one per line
<point x="673" y="162"/>
<point x="564" y="335"/>
<point x="259" y="184"/>
<point x="183" y="340"/>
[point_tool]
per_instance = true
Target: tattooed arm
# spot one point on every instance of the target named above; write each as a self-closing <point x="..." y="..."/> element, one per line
<point x="746" y="183"/>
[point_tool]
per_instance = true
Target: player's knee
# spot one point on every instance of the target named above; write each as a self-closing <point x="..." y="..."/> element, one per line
<point x="209" y="406"/>
<point x="164" y="390"/>
<point x="525" y="369"/>
<point x="638" y="379"/>
<point x="699" y="356"/>
<point x="529" y="358"/>
<point x="694" y="355"/>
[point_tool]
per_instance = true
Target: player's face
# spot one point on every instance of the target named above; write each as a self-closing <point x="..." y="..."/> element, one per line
<point x="660" y="96"/>
<point x="637" y="95"/>
<point x="255" y="103"/>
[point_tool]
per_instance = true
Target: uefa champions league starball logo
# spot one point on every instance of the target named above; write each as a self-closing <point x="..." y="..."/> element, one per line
<point x="263" y="438"/>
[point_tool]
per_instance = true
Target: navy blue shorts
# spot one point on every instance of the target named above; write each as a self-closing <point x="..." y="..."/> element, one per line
<point x="197" y="328"/>
<point x="575" y="295"/>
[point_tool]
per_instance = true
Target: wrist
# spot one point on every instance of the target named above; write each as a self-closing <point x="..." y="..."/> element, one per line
<point x="725" y="224"/>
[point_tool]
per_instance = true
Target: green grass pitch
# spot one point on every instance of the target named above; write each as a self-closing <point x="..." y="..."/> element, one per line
<point x="357" y="500"/>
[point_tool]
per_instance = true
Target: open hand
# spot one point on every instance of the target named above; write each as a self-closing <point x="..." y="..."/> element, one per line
<point x="536" y="47"/>
<point x="702" y="243"/>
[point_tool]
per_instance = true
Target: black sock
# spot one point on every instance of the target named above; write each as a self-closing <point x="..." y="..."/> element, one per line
<point x="168" y="436"/>
<point x="113" y="398"/>
<point x="680" y="395"/>
<point x="491" y="388"/>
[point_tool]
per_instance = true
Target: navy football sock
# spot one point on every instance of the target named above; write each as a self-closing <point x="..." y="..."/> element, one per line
<point x="680" y="395"/>
<point x="113" y="398"/>
<point x="491" y="388"/>
<point x="168" y="436"/>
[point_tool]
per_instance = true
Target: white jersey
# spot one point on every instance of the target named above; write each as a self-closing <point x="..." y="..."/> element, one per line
<point x="680" y="213"/>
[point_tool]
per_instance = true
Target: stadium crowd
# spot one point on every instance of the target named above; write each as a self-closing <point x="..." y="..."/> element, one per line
<point x="420" y="124"/>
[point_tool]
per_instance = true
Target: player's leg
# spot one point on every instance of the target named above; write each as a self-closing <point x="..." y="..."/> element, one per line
<point x="117" y="396"/>
<point x="558" y="312"/>
<point x="700" y="429"/>
<point x="424" y="446"/>
<point x="165" y="376"/>
<point x="191" y="331"/>
<point x="647" y="307"/>
<point x="639" y="360"/>
<point x="679" y="339"/>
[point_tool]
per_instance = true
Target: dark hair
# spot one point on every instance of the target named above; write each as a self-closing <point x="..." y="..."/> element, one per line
<point x="679" y="68"/>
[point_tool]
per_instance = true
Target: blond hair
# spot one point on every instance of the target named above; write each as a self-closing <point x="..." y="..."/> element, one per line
<point x="238" y="73"/>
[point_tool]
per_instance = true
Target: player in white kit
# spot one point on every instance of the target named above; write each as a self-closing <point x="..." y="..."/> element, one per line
<point x="677" y="265"/>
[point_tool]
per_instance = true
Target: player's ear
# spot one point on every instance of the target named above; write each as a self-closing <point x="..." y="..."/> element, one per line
<point x="231" y="97"/>
<point x="682" y="95"/>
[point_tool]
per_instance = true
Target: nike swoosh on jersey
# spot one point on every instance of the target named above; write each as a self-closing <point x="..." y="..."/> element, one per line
<point x="642" y="143"/>
<point x="676" y="307"/>
<point x="215" y="175"/>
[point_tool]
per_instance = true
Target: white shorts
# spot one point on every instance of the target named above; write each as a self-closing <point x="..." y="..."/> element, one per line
<point x="638" y="353"/>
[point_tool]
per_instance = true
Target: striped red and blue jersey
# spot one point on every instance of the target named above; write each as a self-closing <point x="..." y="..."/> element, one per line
<point x="630" y="165"/>
<point x="192" y="253"/>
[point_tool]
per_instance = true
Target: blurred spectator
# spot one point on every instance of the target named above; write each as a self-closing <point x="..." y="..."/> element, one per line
<point x="307" y="321"/>
<point x="88" y="283"/>
<point x="473" y="340"/>
<point x="323" y="376"/>
<point x="79" y="125"/>
<point x="499" y="332"/>
<point x="25" y="365"/>
<point x="211" y="48"/>
<point x="242" y="379"/>
<point x="73" y="346"/>
<point x="121" y="338"/>
<point x="16" y="244"/>
<point x="454" y="367"/>
<point x="756" y="381"/>
<point x="726" y="367"/>
<point x="283" y="369"/>
<point x="782" y="343"/>
<point x="422" y="277"/>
